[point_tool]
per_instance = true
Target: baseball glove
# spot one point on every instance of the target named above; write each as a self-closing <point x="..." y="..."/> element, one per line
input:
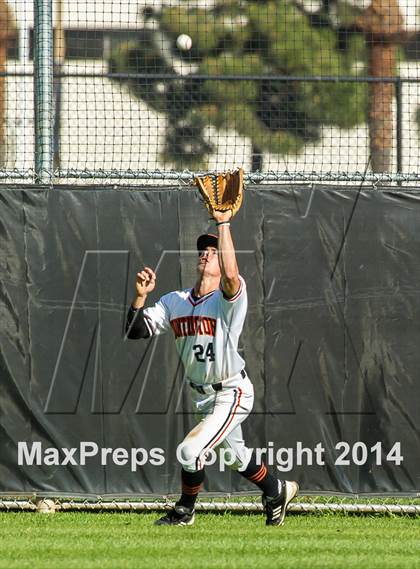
<point x="222" y="192"/>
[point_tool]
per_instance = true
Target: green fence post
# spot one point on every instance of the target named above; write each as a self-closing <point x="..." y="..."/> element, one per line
<point x="43" y="90"/>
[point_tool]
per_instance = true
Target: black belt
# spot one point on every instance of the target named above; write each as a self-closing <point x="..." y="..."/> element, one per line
<point x="214" y="386"/>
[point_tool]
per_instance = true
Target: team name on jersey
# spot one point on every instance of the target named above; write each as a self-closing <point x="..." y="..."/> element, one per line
<point x="193" y="326"/>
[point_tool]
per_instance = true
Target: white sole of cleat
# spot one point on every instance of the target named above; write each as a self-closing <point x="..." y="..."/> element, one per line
<point x="189" y="523"/>
<point x="292" y="490"/>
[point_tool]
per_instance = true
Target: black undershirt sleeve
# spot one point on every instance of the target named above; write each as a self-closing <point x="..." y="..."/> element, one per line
<point x="135" y="325"/>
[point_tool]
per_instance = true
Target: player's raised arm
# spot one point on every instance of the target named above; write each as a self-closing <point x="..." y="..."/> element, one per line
<point x="222" y="194"/>
<point x="136" y="326"/>
<point x="227" y="256"/>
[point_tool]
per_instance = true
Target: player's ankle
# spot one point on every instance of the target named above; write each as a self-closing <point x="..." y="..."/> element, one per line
<point x="187" y="501"/>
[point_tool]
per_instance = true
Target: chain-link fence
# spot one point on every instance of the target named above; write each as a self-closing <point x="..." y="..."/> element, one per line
<point x="153" y="91"/>
<point x="248" y="504"/>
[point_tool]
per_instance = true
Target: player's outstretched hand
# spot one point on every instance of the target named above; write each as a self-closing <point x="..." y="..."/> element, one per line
<point x="145" y="282"/>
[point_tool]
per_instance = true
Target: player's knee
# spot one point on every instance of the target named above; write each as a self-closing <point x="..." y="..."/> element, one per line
<point x="227" y="459"/>
<point x="187" y="455"/>
<point x="243" y="458"/>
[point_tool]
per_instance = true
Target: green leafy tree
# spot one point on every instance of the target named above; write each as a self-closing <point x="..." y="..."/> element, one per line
<point x="256" y="40"/>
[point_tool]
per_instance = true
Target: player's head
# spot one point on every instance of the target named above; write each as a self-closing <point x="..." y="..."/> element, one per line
<point x="208" y="262"/>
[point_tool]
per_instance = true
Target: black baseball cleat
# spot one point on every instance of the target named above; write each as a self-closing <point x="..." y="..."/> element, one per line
<point x="178" y="516"/>
<point x="275" y="509"/>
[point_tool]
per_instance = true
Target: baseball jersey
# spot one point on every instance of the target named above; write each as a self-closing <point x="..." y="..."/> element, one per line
<point x="206" y="331"/>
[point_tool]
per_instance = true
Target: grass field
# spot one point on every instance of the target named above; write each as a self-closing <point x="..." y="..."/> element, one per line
<point x="129" y="540"/>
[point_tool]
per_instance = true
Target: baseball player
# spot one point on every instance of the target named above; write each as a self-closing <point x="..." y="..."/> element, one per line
<point x="206" y="322"/>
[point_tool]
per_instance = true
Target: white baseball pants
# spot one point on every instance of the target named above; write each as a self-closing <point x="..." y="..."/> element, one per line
<point x="221" y="416"/>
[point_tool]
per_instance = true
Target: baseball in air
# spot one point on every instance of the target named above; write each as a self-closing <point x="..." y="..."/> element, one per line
<point x="184" y="42"/>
